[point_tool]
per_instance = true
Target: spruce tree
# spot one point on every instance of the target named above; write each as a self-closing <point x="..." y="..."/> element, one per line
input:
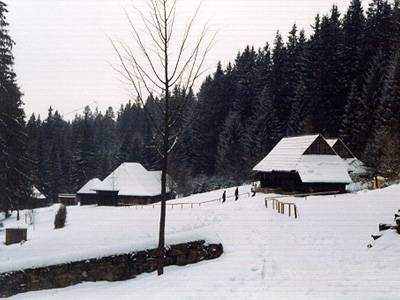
<point x="353" y="45"/>
<point x="14" y="161"/>
<point x="384" y="148"/>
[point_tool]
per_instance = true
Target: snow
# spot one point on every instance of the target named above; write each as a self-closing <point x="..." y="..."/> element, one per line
<point x="288" y="155"/>
<point x="36" y="194"/>
<point x="323" y="168"/>
<point x="331" y="142"/>
<point x="355" y="166"/>
<point x="89" y="186"/>
<point x="132" y="179"/>
<point x="321" y="255"/>
<point x="285" y="156"/>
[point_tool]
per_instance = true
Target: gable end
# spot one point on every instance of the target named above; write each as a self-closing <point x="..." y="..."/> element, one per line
<point x="319" y="146"/>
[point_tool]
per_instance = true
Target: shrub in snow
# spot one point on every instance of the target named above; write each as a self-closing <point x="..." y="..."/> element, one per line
<point x="61" y="217"/>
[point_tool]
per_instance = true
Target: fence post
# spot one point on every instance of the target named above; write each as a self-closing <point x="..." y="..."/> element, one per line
<point x="266" y="203"/>
<point x="191" y="205"/>
<point x="283" y="208"/>
<point x="295" y="211"/>
<point x="290" y="209"/>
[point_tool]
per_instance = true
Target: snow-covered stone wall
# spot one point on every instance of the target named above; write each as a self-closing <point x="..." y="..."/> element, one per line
<point x="111" y="268"/>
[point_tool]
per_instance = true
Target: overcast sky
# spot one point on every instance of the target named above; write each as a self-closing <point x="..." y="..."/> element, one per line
<point x="63" y="56"/>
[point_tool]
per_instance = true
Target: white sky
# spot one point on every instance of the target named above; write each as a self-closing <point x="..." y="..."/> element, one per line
<point x="63" y="55"/>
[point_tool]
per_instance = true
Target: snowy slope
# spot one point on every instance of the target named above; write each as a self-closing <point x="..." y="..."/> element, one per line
<point x="321" y="255"/>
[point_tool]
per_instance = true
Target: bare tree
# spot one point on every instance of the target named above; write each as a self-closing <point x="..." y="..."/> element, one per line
<point x="154" y="67"/>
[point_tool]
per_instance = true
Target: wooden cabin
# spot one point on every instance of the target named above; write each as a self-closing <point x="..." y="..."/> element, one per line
<point x="37" y="199"/>
<point x="340" y="148"/>
<point x="355" y="167"/>
<point x="86" y="195"/>
<point x="130" y="184"/>
<point x="303" y="164"/>
<point x="67" y="199"/>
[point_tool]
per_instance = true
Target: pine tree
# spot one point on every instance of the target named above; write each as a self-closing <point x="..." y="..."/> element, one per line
<point x="295" y="125"/>
<point x="14" y="162"/>
<point x="279" y="85"/>
<point x="229" y="159"/>
<point x="264" y="133"/>
<point x="371" y="96"/>
<point x="353" y="45"/>
<point x="214" y="103"/>
<point x="84" y="163"/>
<point x="385" y="146"/>
<point x="378" y="32"/>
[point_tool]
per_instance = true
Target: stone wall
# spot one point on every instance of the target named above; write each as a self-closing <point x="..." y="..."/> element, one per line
<point x="111" y="268"/>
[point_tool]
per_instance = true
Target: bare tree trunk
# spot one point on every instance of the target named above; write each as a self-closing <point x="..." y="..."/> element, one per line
<point x="161" y="240"/>
<point x="153" y="77"/>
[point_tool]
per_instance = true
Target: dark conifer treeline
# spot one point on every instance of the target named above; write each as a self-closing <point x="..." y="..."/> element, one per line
<point x="343" y="80"/>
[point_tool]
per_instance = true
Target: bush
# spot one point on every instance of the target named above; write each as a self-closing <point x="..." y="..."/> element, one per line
<point x="61" y="217"/>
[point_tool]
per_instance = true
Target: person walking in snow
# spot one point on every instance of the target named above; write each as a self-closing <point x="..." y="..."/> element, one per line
<point x="237" y="194"/>
<point x="253" y="190"/>
<point x="223" y="196"/>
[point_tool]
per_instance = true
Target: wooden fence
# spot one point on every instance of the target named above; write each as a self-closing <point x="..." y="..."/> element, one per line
<point x="190" y="204"/>
<point x="280" y="207"/>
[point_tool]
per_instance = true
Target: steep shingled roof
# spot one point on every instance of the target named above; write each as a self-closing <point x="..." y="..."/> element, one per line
<point x="132" y="179"/>
<point x="288" y="155"/>
<point x="88" y="187"/>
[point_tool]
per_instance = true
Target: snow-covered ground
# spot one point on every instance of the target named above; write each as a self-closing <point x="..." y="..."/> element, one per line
<point x="321" y="255"/>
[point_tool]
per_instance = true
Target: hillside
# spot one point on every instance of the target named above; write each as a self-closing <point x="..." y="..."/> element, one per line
<point x="321" y="254"/>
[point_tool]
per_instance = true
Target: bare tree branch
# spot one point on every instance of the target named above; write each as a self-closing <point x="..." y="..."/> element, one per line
<point x="148" y="80"/>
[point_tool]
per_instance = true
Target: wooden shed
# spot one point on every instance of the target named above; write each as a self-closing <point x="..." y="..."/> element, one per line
<point x="303" y="164"/>
<point x="37" y="199"/>
<point x="355" y="167"/>
<point x="67" y="199"/>
<point x="86" y="195"/>
<point x="340" y="148"/>
<point x="130" y="184"/>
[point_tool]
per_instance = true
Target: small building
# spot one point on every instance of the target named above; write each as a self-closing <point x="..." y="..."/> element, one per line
<point x="303" y="164"/>
<point x="37" y="199"/>
<point x="130" y="184"/>
<point x="67" y="199"/>
<point x="340" y="148"/>
<point x="356" y="168"/>
<point x="86" y="195"/>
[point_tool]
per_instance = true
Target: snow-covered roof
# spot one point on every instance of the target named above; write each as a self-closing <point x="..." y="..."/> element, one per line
<point x="288" y="155"/>
<point x="331" y="142"/>
<point x="355" y="166"/>
<point x="88" y="187"/>
<point x="36" y="194"/>
<point x="132" y="179"/>
<point x="323" y="169"/>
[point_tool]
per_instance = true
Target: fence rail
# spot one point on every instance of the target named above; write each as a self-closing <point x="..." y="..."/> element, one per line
<point x="190" y="204"/>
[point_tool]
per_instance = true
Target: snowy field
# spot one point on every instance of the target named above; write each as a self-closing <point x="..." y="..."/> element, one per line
<point x="321" y="255"/>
